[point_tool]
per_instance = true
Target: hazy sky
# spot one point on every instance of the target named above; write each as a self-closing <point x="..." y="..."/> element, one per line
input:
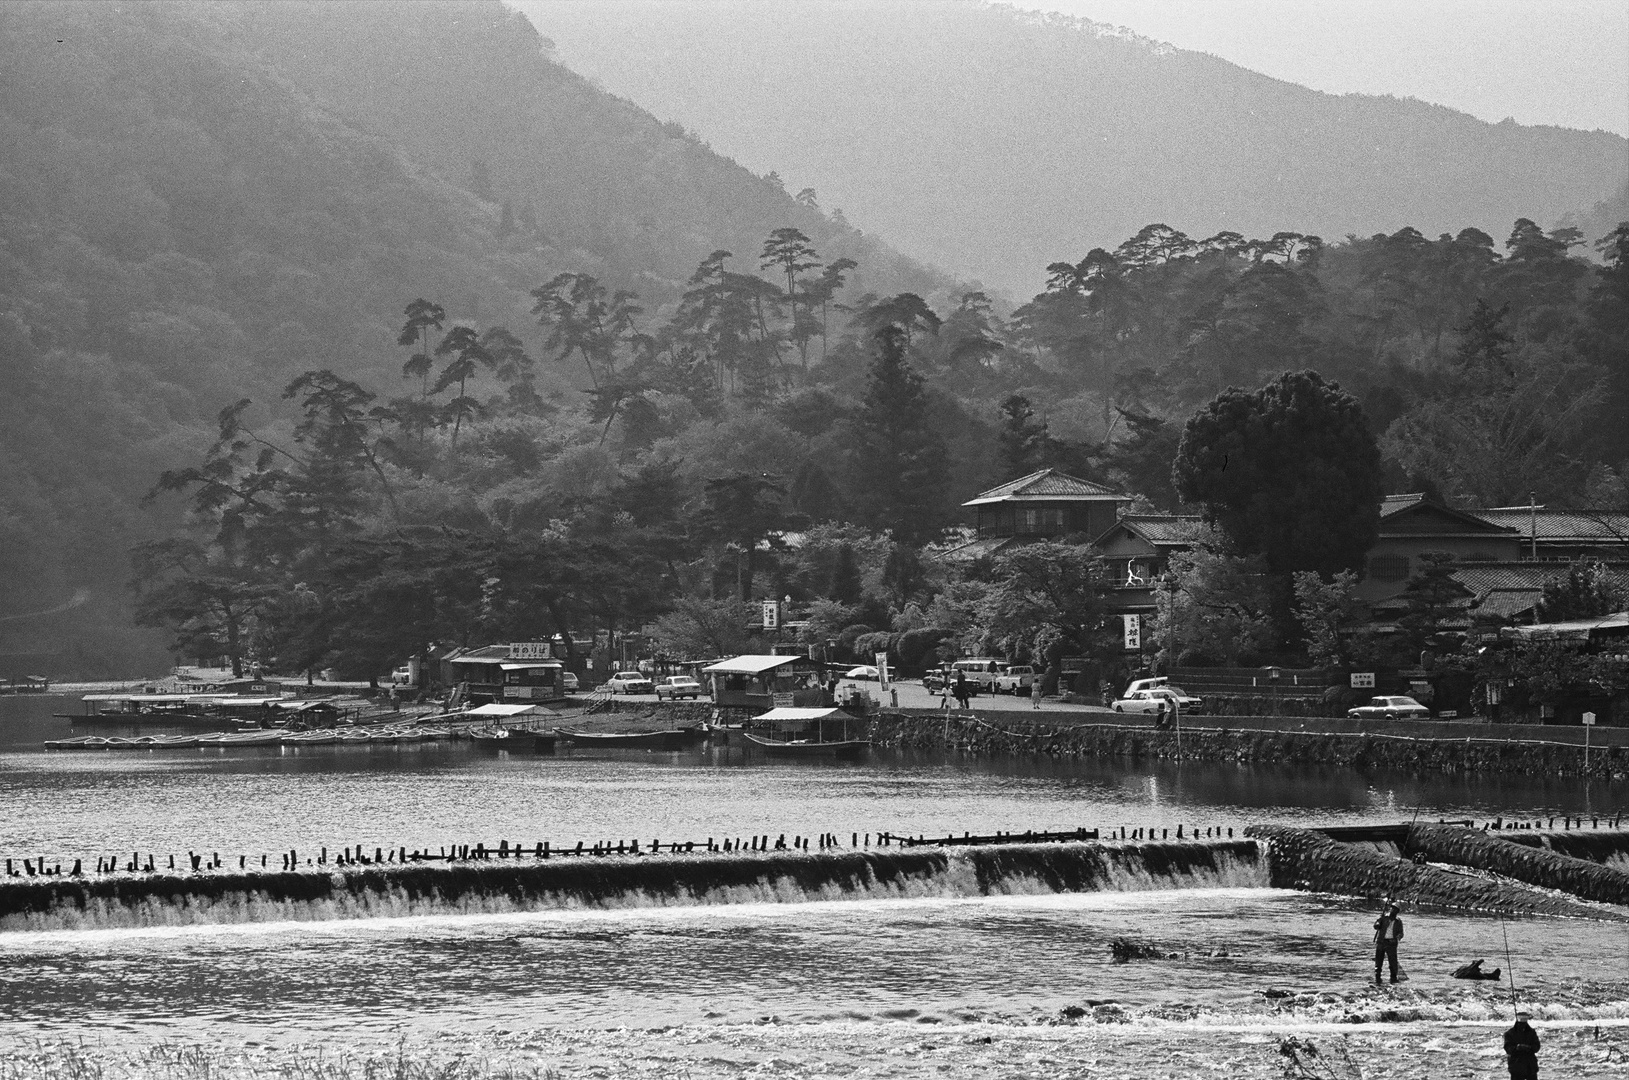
<point x="1563" y="62"/>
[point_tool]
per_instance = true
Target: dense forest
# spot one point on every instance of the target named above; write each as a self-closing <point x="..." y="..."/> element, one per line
<point x="368" y="326"/>
<point x="200" y="201"/>
<point x="772" y="436"/>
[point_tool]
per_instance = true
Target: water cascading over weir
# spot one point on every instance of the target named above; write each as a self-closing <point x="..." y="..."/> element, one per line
<point x="1572" y="875"/>
<point x="477" y="887"/>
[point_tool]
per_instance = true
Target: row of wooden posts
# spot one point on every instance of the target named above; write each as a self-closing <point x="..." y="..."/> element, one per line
<point x="543" y="849"/>
<point x="1567" y="823"/>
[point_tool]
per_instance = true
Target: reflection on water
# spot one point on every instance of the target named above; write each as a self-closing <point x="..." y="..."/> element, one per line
<point x="260" y="800"/>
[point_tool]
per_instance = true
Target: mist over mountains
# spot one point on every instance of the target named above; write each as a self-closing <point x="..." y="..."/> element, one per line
<point x="199" y="201"/>
<point x="992" y="141"/>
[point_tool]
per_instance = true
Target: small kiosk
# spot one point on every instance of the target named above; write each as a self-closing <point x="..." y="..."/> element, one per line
<point x="763" y="682"/>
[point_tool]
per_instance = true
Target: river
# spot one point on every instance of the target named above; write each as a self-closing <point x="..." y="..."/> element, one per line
<point x="740" y="984"/>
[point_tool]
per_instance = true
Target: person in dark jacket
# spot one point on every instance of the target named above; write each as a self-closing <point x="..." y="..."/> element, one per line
<point x="1388" y="931"/>
<point x="962" y="694"/>
<point x="1521" y="1049"/>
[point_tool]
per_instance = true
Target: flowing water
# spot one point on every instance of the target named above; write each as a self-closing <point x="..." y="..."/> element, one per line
<point x="870" y="971"/>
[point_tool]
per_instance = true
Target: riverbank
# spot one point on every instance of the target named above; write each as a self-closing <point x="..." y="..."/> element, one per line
<point x="1098" y="1043"/>
<point x="1278" y="740"/>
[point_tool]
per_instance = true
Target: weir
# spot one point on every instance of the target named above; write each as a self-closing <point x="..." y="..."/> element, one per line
<point x="1309" y="860"/>
<point x="622" y="882"/>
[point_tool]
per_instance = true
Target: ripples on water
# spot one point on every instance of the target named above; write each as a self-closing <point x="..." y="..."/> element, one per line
<point x="1011" y="959"/>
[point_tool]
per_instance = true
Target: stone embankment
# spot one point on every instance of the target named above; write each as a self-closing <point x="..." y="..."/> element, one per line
<point x="1534" y="865"/>
<point x="1310" y="861"/>
<point x="1072" y="736"/>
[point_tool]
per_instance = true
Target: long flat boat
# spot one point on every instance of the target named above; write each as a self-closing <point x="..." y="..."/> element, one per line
<point x="672" y="739"/>
<point x="808" y="747"/>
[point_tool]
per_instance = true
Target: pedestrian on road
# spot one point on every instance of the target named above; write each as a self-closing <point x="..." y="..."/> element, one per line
<point x="1521" y="1049"/>
<point x="962" y="693"/>
<point x="1035" y="692"/>
<point x="948" y="693"/>
<point x="1388" y="931"/>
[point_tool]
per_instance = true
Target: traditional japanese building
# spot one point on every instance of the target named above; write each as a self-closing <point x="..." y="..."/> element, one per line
<point x="1045" y="505"/>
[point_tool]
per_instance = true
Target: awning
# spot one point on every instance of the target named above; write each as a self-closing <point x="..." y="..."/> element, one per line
<point x="751" y="665"/>
<point x="528" y="665"/>
<point x="799" y="714"/>
<point x="501" y="710"/>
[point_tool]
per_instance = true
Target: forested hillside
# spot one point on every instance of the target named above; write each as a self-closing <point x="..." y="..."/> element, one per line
<point x="422" y="339"/>
<point x="200" y="201"/>
<point x="976" y="135"/>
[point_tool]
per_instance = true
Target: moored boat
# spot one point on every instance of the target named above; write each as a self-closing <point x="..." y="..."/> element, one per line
<point x="671" y="739"/>
<point x="808" y="747"/>
<point x="802" y="732"/>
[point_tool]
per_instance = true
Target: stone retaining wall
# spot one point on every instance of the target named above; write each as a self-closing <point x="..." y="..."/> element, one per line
<point x="1301" y="859"/>
<point x="997" y="735"/>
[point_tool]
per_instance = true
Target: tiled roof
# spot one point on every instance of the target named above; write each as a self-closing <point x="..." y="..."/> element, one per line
<point x="1050" y="485"/>
<point x="1554" y="525"/>
<point x="1166" y="530"/>
<point x="1470" y="520"/>
<point x="1393" y="504"/>
<point x="978" y="549"/>
<point x="1511" y="589"/>
<point x="1483" y="577"/>
<point x="1508" y="603"/>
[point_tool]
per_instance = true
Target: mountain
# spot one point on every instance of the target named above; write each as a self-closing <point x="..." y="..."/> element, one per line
<point x="199" y="201"/>
<point x="994" y="142"/>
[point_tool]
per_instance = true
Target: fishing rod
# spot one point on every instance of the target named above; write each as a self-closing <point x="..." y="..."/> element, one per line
<point x="1509" y="967"/>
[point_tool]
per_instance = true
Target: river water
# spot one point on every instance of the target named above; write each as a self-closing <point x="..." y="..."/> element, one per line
<point x="741" y="984"/>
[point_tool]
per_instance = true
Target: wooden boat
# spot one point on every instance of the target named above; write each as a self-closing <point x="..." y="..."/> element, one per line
<point x="806" y="732"/>
<point x="808" y="747"/>
<point x="84" y="742"/>
<point x="671" y="739"/>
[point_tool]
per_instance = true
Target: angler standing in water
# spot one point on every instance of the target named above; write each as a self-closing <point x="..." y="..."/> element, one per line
<point x="1521" y="1049"/>
<point x="1388" y="931"/>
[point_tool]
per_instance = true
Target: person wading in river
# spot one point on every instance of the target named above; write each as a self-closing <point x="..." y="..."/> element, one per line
<point x="1521" y="1049"/>
<point x="1388" y="931"/>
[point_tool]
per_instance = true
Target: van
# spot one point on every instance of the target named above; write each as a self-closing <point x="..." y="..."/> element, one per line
<point x="981" y="673"/>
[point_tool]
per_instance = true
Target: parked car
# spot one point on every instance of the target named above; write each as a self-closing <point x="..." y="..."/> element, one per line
<point x="629" y="682"/>
<point x="935" y="680"/>
<point x="981" y="673"/>
<point x="678" y="686"/>
<point x="568" y="682"/>
<point x="1189" y="703"/>
<point x="1017" y="679"/>
<point x="1390" y="708"/>
<point x="1150" y="700"/>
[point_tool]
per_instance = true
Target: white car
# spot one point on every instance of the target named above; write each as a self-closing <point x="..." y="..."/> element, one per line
<point x="678" y="686"/>
<point x="1150" y="700"/>
<point x="568" y="682"/>
<point x="1015" y="680"/>
<point x="628" y="682"/>
<point x="1390" y="708"/>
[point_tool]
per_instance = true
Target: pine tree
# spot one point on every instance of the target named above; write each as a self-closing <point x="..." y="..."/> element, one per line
<point x="899" y="460"/>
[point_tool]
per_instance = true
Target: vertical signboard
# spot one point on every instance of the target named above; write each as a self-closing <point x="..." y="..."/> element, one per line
<point x="1134" y="632"/>
<point x="772" y="614"/>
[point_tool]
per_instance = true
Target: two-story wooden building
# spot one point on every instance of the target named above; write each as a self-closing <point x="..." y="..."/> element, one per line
<point x="1045" y="505"/>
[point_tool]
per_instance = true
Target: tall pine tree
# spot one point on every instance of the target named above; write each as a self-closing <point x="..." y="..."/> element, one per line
<point x="900" y="463"/>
